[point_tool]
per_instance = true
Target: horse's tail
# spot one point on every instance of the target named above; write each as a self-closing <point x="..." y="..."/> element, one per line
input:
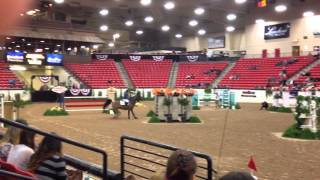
<point x="107" y="103"/>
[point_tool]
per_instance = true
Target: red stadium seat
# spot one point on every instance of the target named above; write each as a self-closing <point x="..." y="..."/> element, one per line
<point x="6" y="75"/>
<point x="148" y="73"/>
<point x="265" y="69"/>
<point x="11" y="168"/>
<point x="198" y="71"/>
<point x="97" y="74"/>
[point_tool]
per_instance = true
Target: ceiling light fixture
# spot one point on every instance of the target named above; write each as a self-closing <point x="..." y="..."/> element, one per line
<point x="148" y="19"/>
<point x="59" y="1"/>
<point x="129" y="23"/>
<point x="281" y="8"/>
<point x="145" y="2"/>
<point x="111" y="44"/>
<point x="116" y="36"/>
<point x="104" y="12"/>
<point x="231" y="17"/>
<point x="199" y="11"/>
<point x="260" y="21"/>
<point x="169" y="5"/>
<point x="139" y="32"/>
<point x="193" y="23"/>
<point x="230" y="28"/>
<point x="165" y="28"/>
<point x="240" y="1"/>
<point x="308" y="14"/>
<point x="202" y="32"/>
<point x="179" y="36"/>
<point x="104" y="28"/>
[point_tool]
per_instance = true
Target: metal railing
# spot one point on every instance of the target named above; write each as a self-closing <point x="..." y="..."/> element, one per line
<point x="143" y="162"/>
<point x="104" y="173"/>
<point x="15" y="175"/>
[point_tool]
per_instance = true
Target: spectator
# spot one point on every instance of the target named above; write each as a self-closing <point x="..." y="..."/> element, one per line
<point x="11" y="138"/>
<point x="237" y="176"/>
<point x="264" y="105"/>
<point x="47" y="162"/>
<point x="20" y="154"/>
<point x="181" y="165"/>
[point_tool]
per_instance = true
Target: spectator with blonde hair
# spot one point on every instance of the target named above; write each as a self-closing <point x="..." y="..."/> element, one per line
<point x="181" y="165"/>
<point x="10" y="138"/>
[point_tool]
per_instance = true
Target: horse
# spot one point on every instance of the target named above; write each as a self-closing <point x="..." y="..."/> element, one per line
<point x="116" y="105"/>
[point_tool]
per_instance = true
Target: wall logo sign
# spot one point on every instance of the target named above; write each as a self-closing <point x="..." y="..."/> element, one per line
<point x="277" y="31"/>
<point x="15" y="57"/>
<point x="54" y="58"/>
<point x="158" y="58"/>
<point x="193" y="58"/>
<point x="35" y="59"/>
<point x="135" y="58"/>
<point x="102" y="57"/>
<point x="248" y="94"/>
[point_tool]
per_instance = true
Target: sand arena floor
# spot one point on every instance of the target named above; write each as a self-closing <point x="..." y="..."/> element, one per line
<point x="248" y="132"/>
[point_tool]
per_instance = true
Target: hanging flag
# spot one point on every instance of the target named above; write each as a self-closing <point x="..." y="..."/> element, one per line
<point x="262" y="3"/>
<point x="252" y="164"/>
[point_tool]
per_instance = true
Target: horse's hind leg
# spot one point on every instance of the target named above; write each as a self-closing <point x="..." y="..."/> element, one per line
<point x="129" y="114"/>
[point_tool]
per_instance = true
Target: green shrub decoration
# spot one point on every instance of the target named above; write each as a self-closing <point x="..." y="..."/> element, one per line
<point x="154" y="119"/>
<point x="295" y="132"/>
<point x="238" y="106"/>
<point x="194" y="119"/>
<point x="151" y="114"/>
<point x="167" y="101"/>
<point x="280" y="109"/>
<point x="56" y="111"/>
<point x="196" y="108"/>
<point x="208" y="91"/>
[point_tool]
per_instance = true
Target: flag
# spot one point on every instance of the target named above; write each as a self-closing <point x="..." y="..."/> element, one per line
<point x="262" y="3"/>
<point x="252" y="164"/>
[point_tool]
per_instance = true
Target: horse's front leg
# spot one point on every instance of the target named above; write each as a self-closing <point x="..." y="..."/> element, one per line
<point x="129" y="114"/>
<point x="135" y="117"/>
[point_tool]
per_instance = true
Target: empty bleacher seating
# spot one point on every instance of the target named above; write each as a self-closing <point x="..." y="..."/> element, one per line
<point x="262" y="72"/>
<point x="6" y="75"/>
<point x="148" y="73"/>
<point x="202" y="73"/>
<point x="97" y="74"/>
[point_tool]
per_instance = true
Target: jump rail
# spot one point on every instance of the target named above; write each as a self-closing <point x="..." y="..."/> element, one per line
<point x="208" y="168"/>
<point x="104" y="173"/>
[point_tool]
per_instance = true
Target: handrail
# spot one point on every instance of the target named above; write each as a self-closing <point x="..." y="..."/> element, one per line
<point x="12" y="174"/>
<point x="65" y="140"/>
<point x="209" y="168"/>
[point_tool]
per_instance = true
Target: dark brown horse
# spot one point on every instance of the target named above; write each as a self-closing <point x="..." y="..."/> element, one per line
<point x="116" y="106"/>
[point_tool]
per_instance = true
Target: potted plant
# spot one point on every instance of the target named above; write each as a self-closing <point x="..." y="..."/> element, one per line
<point x="18" y="104"/>
<point x="168" y="102"/>
<point x="184" y="102"/>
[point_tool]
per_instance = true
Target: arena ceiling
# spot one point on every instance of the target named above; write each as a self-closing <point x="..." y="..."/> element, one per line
<point x="213" y="20"/>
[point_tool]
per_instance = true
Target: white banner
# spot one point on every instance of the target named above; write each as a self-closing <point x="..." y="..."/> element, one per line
<point x="102" y="57"/>
<point x="158" y="58"/>
<point x="135" y="58"/>
<point x="193" y="58"/>
<point x="59" y="89"/>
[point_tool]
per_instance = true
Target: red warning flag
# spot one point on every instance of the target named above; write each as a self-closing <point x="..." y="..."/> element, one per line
<point x="252" y="164"/>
